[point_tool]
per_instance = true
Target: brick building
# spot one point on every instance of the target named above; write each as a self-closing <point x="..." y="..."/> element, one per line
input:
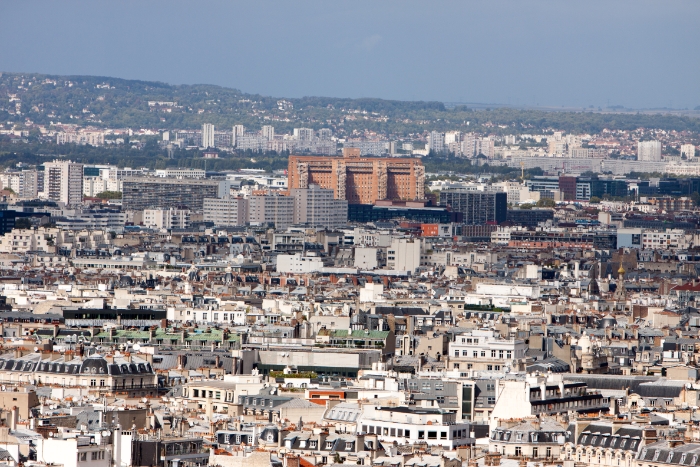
<point x="359" y="180"/>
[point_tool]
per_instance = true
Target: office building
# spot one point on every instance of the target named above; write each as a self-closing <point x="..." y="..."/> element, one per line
<point x="63" y="182"/>
<point x="207" y="135"/>
<point x="226" y="211"/>
<point x="360" y="180"/>
<point x="478" y="208"/>
<point x="147" y="192"/>
<point x="649" y="151"/>
<point x="271" y="209"/>
<point x="317" y="207"/>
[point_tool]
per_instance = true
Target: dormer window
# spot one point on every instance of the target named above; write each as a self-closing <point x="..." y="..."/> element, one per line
<point x="329" y="444"/>
<point x="312" y="444"/>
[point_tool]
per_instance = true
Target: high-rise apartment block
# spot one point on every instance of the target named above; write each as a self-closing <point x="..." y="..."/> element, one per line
<point x="649" y="151"/>
<point x="226" y="211"/>
<point x="271" y="209"/>
<point x="63" y="182"/>
<point x="359" y="180"/>
<point x="688" y="151"/>
<point x="148" y="192"/>
<point x="317" y="207"/>
<point x="208" y="135"/>
<point x="268" y="132"/>
<point x="437" y="142"/>
<point x="478" y="208"/>
<point x="304" y="134"/>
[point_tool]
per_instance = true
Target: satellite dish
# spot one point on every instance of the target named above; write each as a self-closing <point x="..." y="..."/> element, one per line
<point x="105" y="433"/>
<point x="36" y="349"/>
<point x="137" y="347"/>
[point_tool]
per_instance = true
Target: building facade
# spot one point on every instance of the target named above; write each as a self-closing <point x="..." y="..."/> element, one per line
<point x="357" y="179"/>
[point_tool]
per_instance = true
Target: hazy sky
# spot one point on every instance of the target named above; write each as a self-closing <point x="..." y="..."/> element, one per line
<point x="635" y="53"/>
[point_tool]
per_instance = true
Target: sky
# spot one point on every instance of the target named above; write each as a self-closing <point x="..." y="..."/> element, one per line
<point x="634" y="53"/>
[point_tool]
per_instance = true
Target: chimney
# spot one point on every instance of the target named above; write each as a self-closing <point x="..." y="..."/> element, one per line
<point x="14" y="418"/>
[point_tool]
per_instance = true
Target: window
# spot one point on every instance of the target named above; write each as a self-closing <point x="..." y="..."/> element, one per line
<point x="535" y="452"/>
<point x="329" y="444"/>
<point x="518" y="451"/>
<point x="82" y="456"/>
<point x="489" y="367"/>
<point x="483" y="353"/>
<point x="493" y="354"/>
<point x="421" y="434"/>
<point x="549" y="452"/>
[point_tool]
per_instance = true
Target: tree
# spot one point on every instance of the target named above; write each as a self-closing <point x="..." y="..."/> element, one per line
<point x="526" y="206"/>
<point x="594" y="200"/>
<point x="23" y="223"/>
<point x="546" y="203"/>
<point x="109" y="195"/>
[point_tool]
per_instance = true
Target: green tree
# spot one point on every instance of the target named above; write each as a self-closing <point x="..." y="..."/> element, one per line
<point x="23" y="223"/>
<point x="546" y="203"/>
<point x="594" y="200"/>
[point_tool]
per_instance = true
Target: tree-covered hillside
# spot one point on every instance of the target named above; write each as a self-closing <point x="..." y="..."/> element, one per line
<point x="119" y="103"/>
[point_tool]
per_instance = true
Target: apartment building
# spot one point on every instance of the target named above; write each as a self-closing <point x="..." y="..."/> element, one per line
<point x="147" y="192"/>
<point x="404" y="425"/>
<point x="271" y="209"/>
<point x="166" y="218"/>
<point x="486" y="350"/>
<point x="227" y="211"/>
<point x="63" y="182"/>
<point x="317" y="207"/>
<point x="357" y="179"/>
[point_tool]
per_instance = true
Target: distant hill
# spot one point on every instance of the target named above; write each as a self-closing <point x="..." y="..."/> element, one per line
<point x="119" y="103"/>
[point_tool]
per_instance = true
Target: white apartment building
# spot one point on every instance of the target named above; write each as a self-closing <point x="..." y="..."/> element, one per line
<point x="268" y="132"/>
<point x="649" y="151"/>
<point x="404" y="254"/>
<point x="486" y="350"/>
<point x="226" y="211"/>
<point x="74" y="451"/>
<point x="688" y="150"/>
<point x="297" y="263"/>
<point x="166" y="218"/>
<point x="22" y="241"/>
<point x="303" y="134"/>
<point x="271" y="209"/>
<point x="407" y="426"/>
<point x="317" y="207"/>
<point x="181" y="173"/>
<point x="207" y="135"/>
<point x="63" y="182"/>
<point x="437" y="142"/>
<point x="94" y="185"/>
<point x="669" y="239"/>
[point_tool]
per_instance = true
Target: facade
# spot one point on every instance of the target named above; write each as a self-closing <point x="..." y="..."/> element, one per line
<point x="403" y="425"/>
<point x="688" y="151"/>
<point x="485" y="350"/>
<point x="544" y="395"/>
<point x="404" y="255"/>
<point x="477" y="208"/>
<point x="359" y="180"/>
<point x="532" y="438"/>
<point x="63" y="182"/>
<point x="226" y="211"/>
<point x="437" y="142"/>
<point x="207" y="135"/>
<point x="271" y="209"/>
<point x="146" y="192"/>
<point x="316" y="206"/>
<point x="166" y="218"/>
<point x="649" y="151"/>
<point x="177" y="173"/>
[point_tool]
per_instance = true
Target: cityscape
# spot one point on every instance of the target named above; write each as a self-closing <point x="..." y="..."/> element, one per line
<point x="195" y="275"/>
